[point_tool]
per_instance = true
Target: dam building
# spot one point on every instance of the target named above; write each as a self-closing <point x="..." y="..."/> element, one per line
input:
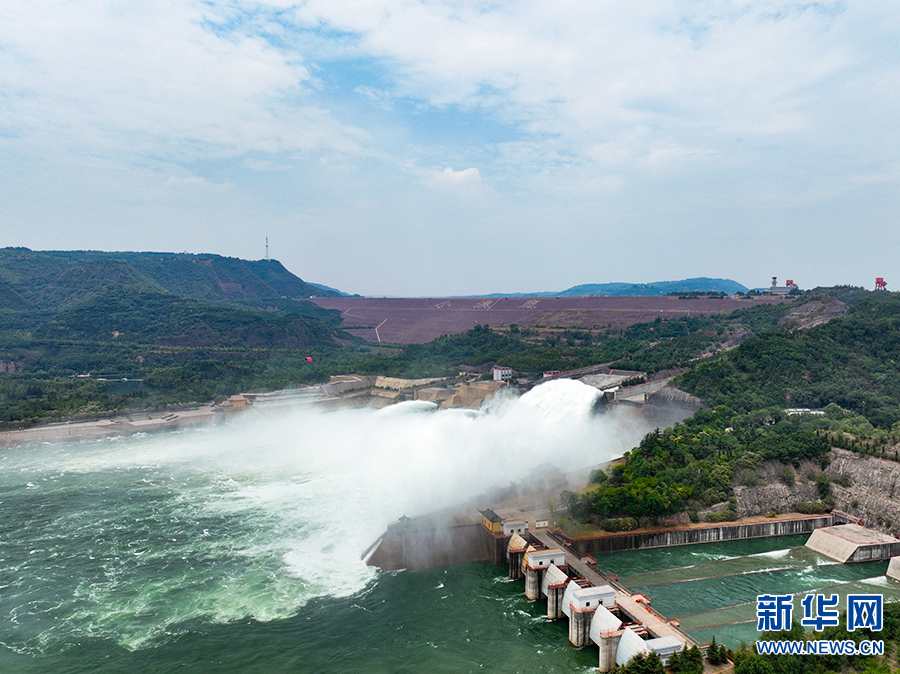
<point x="853" y="543"/>
<point x="536" y="563"/>
<point x="599" y="610"/>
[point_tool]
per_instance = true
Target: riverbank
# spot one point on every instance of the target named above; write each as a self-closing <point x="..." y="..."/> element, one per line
<point x="98" y="429"/>
<point x="340" y="392"/>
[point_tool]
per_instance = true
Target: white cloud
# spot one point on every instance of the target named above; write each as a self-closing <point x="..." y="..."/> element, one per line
<point x="366" y="119"/>
<point x="193" y="182"/>
<point x="382" y="98"/>
<point x="578" y="74"/>
<point x="463" y="181"/>
<point x="451" y="177"/>
<point x="156" y="78"/>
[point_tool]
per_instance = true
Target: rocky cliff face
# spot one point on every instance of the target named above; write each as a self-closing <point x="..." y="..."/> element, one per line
<point x="814" y="313"/>
<point x="772" y="494"/>
<point x="872" y="494"/>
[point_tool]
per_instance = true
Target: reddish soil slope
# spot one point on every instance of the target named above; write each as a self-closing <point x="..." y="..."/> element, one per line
<point x="416" y="320"/>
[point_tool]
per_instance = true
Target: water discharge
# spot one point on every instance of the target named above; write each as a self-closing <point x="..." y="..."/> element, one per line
<point x="236" y="548"/>
<point x="128" y="539"/>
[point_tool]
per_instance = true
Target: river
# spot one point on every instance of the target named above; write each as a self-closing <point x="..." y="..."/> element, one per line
<point x="236" y="548"/>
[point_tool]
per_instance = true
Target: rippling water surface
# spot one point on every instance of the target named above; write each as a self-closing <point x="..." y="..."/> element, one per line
<point x="238" y="548"/>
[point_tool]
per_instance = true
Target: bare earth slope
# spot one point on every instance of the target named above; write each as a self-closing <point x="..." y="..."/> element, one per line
<point x="419" y="320"/>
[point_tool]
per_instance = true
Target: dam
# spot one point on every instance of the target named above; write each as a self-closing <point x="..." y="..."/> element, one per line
<point x="709" y="587"/>
<point x="445" y="538"/>
<point x="598" y="608"/>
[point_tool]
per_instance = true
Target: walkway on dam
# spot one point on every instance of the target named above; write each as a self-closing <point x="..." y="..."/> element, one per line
<point x="628" y="602"/>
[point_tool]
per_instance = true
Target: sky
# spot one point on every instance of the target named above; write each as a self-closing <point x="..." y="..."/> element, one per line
<point x="437" y="147"/>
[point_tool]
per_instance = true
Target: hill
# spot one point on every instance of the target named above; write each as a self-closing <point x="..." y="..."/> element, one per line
<point x="852" y="361"/>
<point x="188" y="327"/>
<point x="52" y="279"/>
<point x="690" y="285"/>
<point x="847" y="367"/>
<point x="117" y="314"/>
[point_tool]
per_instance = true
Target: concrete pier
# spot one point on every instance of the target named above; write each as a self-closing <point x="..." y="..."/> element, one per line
<point x="533" y="583"/>
<point x="515" y="553"/>
<point x="580" y="627"/>
<point x="553" y="586"/>
<point x="606" y="631"/>
<point x="608" y="644"/>
<point x="634" y="607"/>
<point x="583" y="604"/>
<point x="852" y="543"/>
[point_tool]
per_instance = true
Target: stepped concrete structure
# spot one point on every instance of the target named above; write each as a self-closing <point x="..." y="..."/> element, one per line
<point x="853" y="543"/>
<point x="893" y="570"/>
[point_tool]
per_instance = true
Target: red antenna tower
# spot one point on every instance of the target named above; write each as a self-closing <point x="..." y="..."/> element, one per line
<point x="880" y="284"/>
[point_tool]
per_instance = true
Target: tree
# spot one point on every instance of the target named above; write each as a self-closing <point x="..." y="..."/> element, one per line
<point x="688" y="661"/>
<point x="640" y="664"/>
<point x="755" y="664"/>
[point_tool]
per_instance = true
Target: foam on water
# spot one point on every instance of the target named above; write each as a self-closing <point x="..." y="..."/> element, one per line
<point x="133" y="539"/>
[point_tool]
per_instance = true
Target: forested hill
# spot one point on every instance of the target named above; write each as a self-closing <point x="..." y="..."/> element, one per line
<point x="852" y="361"/>
<point x="63" y="313"/>
<point x="656" y="288"/>
<point x="52" y="279"/>
<point x="850" y="366"/>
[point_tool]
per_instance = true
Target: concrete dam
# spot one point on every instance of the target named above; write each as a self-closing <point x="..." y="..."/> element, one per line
<point x="442" y="540"/>
<point x="563" y="572"/>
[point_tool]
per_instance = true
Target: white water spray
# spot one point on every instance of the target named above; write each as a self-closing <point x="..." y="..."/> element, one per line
<point x="257" y="518"/>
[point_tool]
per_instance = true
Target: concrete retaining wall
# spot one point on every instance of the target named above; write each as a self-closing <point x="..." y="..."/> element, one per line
<point x="690" y="536"/>
<point x="875" y="553"/>
<point x="409" y="547"/>
<point x="422" y="547"/>
<point x="853" y="543"/>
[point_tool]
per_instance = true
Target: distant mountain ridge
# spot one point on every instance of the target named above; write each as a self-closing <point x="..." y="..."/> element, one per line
<point x="701" y="284"/>
<point x="49" y="279"/>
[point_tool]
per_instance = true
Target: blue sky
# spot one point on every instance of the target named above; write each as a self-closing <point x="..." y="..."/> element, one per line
<point x="443" y="147"/>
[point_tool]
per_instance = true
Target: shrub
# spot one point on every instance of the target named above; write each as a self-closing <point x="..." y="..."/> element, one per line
<point x="614" y="524"/>
<point x="810" y="507"/>
<point x="786" y="476"/>
<point x="722" y="516"/>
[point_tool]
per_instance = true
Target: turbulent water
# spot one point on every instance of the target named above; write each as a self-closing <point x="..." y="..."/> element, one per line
<point x="237" y="548"/>
<point x="138" y="548"/>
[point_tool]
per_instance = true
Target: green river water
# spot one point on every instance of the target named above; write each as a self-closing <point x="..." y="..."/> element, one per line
<point x="237" y="550"/>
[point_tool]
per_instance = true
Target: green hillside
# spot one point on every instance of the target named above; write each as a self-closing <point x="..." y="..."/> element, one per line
<point x="691" y="285"/>
<point x="117" y="314"/>
<point x="849" y="366"/>
<point x="853" y="362"/>
<point x="191" y="327"/>
<point x="50" y="279"/>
